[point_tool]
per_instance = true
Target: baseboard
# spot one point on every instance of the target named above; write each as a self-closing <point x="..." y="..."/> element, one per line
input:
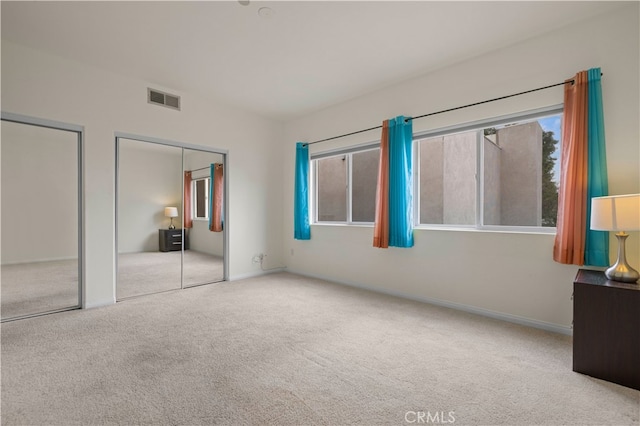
<point x="529" y="322"/>
<point x="24" y="262"/>
<point x="99" y="304"/>
<point x="256" y="274"/>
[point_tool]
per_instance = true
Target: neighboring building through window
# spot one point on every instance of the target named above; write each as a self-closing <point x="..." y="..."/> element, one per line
<point x="447" y="179"/>
<point x="332" y="188"/>
<point x="517" y="170"/>
<point x="345" y="186"/>
<point x="364" y="180"/>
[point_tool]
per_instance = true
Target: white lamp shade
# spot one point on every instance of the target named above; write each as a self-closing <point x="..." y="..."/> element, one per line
<point x="616" y="213"/>
<point x="171" y="211"/>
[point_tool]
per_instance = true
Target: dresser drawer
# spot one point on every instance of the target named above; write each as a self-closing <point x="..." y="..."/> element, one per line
<point x="171" y="240"/>
<point x="173" y="234"/>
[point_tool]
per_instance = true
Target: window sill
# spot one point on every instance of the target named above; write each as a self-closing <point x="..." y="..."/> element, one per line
<point x="499" y="230"/>
<point x="344" y="224"/>
<point x="420" y="228"/>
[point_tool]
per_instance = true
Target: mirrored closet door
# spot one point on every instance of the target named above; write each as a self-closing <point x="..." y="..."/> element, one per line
<point x="41" y="244"/>
<point x="203" y="217"/>
<point x="170" y="224"/>
<point x="149" y="179"/>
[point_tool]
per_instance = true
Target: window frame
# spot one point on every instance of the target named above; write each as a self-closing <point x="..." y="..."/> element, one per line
<point x="348" y="153"/>
<point x="478" y="127"/>
<point x="194" y="198"/>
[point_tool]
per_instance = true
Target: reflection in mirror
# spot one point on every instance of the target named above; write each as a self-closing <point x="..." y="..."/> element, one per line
<point x="40" y="243"/>
<point x="149" y="184"/>
<point x="204" y="222"/>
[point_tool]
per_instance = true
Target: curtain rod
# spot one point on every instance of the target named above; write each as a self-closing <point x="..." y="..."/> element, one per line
<point x="201" y="168"/>
<point x="197" y="170"/>
<point x="447" y="110"/>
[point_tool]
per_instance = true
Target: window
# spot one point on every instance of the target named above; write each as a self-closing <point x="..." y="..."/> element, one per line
<point x="495" y="174"/>
<point x="345" y="186"/>
<point x="516" y="162"/>
<point x="200" y="207"/>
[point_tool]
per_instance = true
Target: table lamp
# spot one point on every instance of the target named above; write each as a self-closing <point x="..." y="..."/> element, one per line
<point x="618" y="213"/>
<point x="171" y="212"/>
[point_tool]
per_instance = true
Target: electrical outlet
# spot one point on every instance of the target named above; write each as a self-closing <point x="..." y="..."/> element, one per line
<point x="258" y="258"/>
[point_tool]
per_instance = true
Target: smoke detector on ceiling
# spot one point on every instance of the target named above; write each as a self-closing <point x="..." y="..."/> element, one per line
<point x="266" y="12"/>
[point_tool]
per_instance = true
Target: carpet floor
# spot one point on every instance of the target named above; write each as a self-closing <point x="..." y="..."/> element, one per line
<point x="288" y="350"/>
<point x="153" y="272"/>
<point x="31" y="288"/>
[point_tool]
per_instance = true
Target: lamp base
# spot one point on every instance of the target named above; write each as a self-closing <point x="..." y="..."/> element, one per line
<point x="621" y="271"/>
<point x="623" y="274"/>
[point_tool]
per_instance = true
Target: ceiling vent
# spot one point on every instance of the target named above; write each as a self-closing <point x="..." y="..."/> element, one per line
<point x="161" y="98"/>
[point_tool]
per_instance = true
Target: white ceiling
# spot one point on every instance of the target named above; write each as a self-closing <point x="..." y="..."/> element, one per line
<point x="304" y="57"/>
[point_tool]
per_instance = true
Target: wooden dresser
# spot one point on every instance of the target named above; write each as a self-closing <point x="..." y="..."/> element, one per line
<point x="171" y="240"/>
<point x="606" y="328"/>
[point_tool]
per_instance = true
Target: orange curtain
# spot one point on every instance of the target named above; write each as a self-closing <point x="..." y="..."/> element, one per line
<point x="186" y="205"/>
<point x="216" y="202"/>
<point x="569" y="243"/>
<point x="381" y="224"/>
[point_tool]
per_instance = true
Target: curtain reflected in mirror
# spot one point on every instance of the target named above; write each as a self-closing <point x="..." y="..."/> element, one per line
<point x="149" y="201"/>
<point x="40" y="219"/>
<point x="203" y="262"/>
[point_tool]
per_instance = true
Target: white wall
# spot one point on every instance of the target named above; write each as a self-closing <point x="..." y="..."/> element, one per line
<point x="507" y="274"/>
<point x="47" y="86"/>
<point x="39" y="194"/>
<point x="202" y="240"/>
<point x="150" y="179"/>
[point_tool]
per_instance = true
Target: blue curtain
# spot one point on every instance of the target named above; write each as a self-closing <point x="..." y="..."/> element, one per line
<point x="302" y="228"/>
<point x="400" y="182"/>
<point x="596" y="251"/>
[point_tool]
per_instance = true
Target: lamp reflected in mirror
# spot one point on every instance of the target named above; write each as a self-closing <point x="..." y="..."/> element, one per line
<point x="171" y="212"/>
